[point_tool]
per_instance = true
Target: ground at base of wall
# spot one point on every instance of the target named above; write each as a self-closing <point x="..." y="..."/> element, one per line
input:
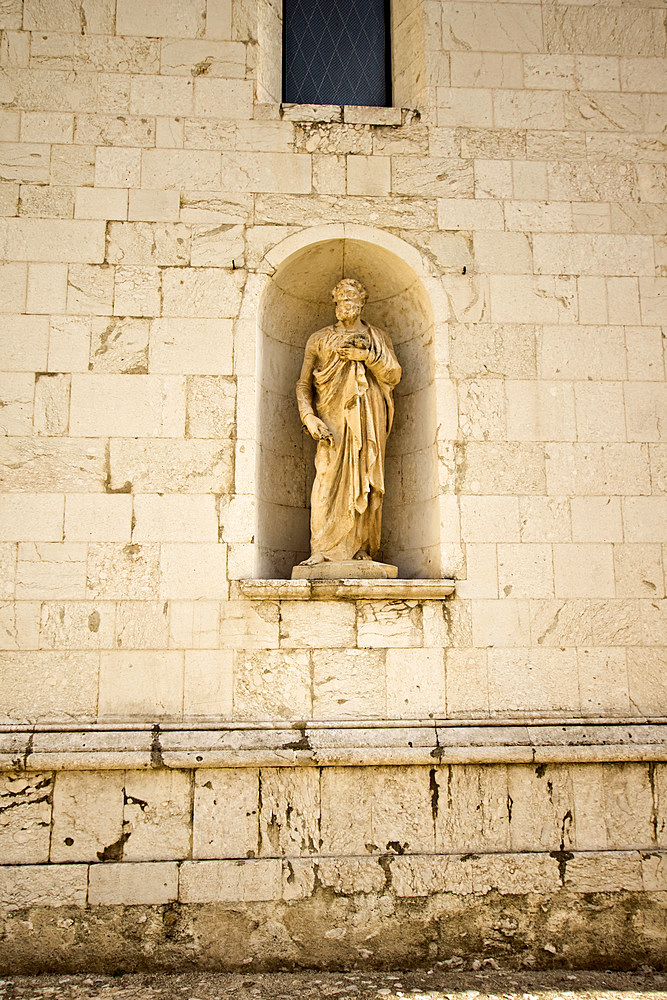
<point x="435" y="983"/>
<point x="620" y="930"/>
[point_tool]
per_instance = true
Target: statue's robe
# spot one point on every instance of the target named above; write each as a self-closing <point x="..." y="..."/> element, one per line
<point x="355" y="400"/>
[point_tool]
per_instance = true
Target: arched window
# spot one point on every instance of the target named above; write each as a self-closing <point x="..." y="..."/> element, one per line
<point x="336" y="52"/>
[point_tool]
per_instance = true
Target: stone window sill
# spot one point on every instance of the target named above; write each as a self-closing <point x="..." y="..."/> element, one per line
<point x="351" y="590"/>
<point x="344" y="114"/>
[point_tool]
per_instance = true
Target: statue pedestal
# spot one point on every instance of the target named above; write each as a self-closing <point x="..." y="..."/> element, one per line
<point x="349" y="569"/>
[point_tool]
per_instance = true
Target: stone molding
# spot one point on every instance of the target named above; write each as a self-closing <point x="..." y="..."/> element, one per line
<point x="141" y="747"/>
<point x="352" y="590"/>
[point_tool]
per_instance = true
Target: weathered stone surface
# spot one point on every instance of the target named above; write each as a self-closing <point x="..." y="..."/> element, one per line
<point x="289" y="812"/>
<point x="179" y="466"/>
<point x="44" y="465"/>
<point x="348" y="683"/>
<point x="157" y="815"/>
<point x="87" y="817"/>
<point x="25" y="818"/>
<point x="237" y="793"/>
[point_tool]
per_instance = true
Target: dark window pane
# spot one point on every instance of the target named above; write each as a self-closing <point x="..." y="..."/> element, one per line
<point x="335" y="52"/>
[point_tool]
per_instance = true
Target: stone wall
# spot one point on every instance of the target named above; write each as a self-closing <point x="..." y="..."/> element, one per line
<point x="168" y="232"/>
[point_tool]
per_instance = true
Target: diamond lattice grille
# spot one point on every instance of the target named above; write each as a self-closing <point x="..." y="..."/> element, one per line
<point x="335" y="52"/>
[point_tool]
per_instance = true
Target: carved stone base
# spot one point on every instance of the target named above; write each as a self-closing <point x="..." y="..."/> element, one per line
<point x="349" y="569"/>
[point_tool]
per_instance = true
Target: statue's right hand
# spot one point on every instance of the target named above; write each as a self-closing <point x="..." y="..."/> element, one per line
<point x="317" y="428"/>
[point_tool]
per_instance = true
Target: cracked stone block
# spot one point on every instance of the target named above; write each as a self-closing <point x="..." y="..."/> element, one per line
<point x="25" y="818"/>
<point x="88" y="816"/>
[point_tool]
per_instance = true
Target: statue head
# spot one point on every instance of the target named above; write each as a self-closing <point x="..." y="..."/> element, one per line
<point x="349" y="296"/>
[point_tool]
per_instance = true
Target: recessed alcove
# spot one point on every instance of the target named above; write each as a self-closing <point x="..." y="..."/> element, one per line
<point x="296" y="301"/>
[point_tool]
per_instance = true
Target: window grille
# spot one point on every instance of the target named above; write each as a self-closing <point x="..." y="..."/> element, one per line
<point x="336" y="52"/>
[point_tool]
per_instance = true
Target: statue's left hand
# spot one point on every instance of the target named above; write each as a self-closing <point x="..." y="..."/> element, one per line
<point x="353" y="353"/>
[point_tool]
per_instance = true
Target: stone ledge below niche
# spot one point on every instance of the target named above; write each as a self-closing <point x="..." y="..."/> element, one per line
<point x="351" y="590"/>
<point x="137" y="746"/>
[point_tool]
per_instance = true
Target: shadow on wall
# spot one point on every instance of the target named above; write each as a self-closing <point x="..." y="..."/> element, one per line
<point x="295" y="303"/>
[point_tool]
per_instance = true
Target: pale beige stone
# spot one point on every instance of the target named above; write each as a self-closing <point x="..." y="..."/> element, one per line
<point x="117" y="167"/>
<point x="307" y="625"/>
<point x="141" y="684"/>
<point x="584" y="570"/>
<point x="525" y="570"/>
<point x="616" y="623"/>
<point x="137" y="291"/>
<point x="560" y="623"/>
<point x="36" y="239"/>
<point x="25" y="818"/>
<point x="119" y="346"/>
<point x="425" y="876"/>
<point x="13" y="285"/>
<point x="533" y="680"/>
<point x="597" y="469"/>
<point x="100" y="203"/>
<point x="389" y="624"/>
<point x="501" y="623"/>
<point x="69" y="344"/>
<point x="87" y="816"/>
<point x="482" y="571"/>
<point x="97" y="518"/>
<point x="230" y="881"/>
<point x="23" y="343"/>
<point x="596" y="519"/>
<point x="646" y="677"/>
<point x="147" y="884"/>
<point x="234" y="790"/>
<point x="39" y="517"/>
<point x="47" y="288"/>
<point x="208" y="682"/>
<point x="148" y="243"/>
<point x="645" y="519"/>
<point x="8" y="552"/>
<point x="156" y="815"/>
<point x="51" y="406"/>
<point x="532" y="299"/>
<point x="179" y="57"/>
<point x="174" y="518"/>
<point x="654" y="622"/>
<point x="603" y="682"/>
<point x="19" y="625"/>
<point x="50" y="686"/>
<point x="289" y="812"/>
<point x="77" y="625"/>
<point x="193" y="570"/>
<point x="153" y="466"/>
<point x="368" y="175"/>
<point x="141" y="625"/>
<point x="638" y="570"/>
<point x="17" y="394"/>
<point x="466" y="681"/>
<point x="223" y="98"/>
<point x="272" y="684"/>
<point x="153" y="206"/>
<point x="645" y="409"/>
<point x="482" y="409"/>
<point x="210" y="406"/>
<point x="161" y="95"/>
<point x="540" y="411"/>
<point x="129" y="572"/>
<point x="176" y="169"/>
<point x="218" y="246"/>
<point x="202" y="291"/>
<point x="489" y="519"/>
<point x="191" y="346"/>
<point x="43" y="885"/>
<point x="471" y="809"/>
<point x="415" y="683"/>
<point x="90" y="289"/>
<point x="600" y="411"/>
<point x="348" y="683"/>
<point x="454" y="213"/>
<point x="127" y="405"/>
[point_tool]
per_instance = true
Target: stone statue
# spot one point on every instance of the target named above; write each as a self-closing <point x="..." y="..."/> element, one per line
<point x="345" y="397"/>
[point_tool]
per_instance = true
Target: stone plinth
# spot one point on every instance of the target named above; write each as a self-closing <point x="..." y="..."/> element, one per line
<point x="349" y="569"/>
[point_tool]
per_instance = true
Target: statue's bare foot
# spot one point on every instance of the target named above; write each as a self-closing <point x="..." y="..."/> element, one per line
<point x="314" y="560"/>
<point x="362" y="554"/>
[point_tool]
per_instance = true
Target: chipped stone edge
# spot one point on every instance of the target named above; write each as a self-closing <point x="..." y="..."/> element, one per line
<point x="301" y="746"/>
<point x="352" y="590"/>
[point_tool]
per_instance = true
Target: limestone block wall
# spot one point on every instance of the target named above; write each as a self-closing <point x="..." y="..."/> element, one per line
<point x="168" y="230"/>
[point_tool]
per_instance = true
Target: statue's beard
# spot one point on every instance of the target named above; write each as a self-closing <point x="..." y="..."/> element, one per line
<point x="343" y="313"/>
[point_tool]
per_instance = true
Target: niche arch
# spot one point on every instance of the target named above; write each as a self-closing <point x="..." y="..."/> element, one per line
<point x="403" y="298"/>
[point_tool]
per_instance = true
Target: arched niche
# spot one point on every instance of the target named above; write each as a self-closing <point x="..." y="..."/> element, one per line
<point x="295" y="301"/>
